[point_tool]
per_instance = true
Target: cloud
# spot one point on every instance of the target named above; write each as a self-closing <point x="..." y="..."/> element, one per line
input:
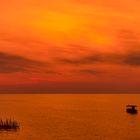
<point x="13" y="63"/>
<point x="131" y="45"/>
<point x="130" y="58"/>
<point x="89" y="71"/>
<point x="128" y="43"/>
<point x="94" y="58"/>
<point x="133" y="59"/>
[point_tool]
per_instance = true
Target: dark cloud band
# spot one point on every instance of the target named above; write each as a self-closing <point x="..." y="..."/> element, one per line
<point x="13" y="63"/>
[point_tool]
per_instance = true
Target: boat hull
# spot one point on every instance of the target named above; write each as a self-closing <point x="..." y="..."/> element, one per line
<point x="131" y="111"/>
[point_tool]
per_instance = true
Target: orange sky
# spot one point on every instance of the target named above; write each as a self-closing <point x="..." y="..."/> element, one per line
<point x="69" y="46"/>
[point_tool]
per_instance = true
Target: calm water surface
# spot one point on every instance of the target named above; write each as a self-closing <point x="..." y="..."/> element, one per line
<point x="71" y="117"/>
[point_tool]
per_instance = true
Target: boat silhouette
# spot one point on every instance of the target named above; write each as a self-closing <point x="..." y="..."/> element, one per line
<point x="132" y="109"/>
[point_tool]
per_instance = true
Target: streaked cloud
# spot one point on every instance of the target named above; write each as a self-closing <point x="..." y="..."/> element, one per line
<point x="133" y="59"/>
<point x="89" y="71"/>
<point x="10" y="63"/>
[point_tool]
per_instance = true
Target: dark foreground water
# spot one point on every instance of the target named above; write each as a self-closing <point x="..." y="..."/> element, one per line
<point x="71" y="117"/>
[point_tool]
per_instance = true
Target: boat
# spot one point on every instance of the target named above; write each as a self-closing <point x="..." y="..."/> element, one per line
<point x="132" y="109"/>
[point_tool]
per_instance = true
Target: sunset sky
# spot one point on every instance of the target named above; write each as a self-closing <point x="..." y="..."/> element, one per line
<point x="75" y="46"/>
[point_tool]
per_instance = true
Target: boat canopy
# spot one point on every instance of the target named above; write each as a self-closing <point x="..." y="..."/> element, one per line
<point x="131" y="106"/>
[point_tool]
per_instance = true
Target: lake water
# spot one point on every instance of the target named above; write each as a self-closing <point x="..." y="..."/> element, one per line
<point x="71" y="116"/>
